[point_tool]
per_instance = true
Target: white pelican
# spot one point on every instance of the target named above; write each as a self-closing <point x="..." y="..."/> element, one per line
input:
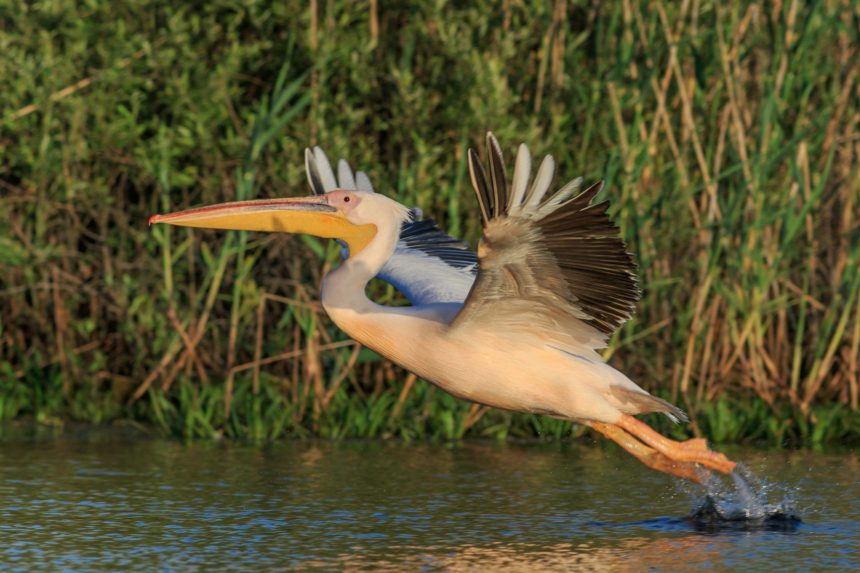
<point x="516" y="325"/>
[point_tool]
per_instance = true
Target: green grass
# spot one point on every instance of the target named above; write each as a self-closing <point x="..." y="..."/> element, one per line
<point x="728" y="138"/>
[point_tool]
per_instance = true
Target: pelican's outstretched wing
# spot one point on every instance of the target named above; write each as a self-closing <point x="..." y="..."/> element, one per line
<point x="550" y="263"/>
<point x="428" y="265"/>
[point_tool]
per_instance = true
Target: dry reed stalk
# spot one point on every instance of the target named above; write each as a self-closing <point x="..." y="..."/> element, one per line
<point x="735" y="106"/>
<point x="92" y="345"/>
<point x="425" y="412"/>
<point x="696" y="327"/>
<point x="544" y="64"/>
<point x="705" y="362"/>
<point x="258" y="344"/>
<point x="805" y="296"/>
<point x="619" y="126"/>
<point x="289" y="355"/>
<point x="314" y="80"/>
<point x="476" y="412"/>
<point x="294" y="370"/>
<point x="353" y="382"/>
<point x="559" y="16"/>
<point x="69" y="90"/>
<point x="854" y="352"/>
<point x="314" y="371"/>
<point x="166" y="359"/>
<point x="344" y="372"/>
<point x="842" y="102"/>
<point x="303" y="399"/>
<point x="690" y="124"/>
<point x="818" y="376"/>
<point x="738" y="344"/>
<point x="374" y="22"/>
<point x="628" y="16"/>
<point x="379" y="379"/>
<point x="200" y="328"/>
<point x="56" y="96"/>
<point x="232" y="336"/>
<point x="61" y="323"/>
<point x="721" y="139"/>
<point x="788" y="40"/>
<point x="189" y="345"/>
<point x="174" y="371"/>
<point x="401" y="398"/>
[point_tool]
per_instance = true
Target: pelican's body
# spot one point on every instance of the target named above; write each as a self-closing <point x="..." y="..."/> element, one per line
<point x="476" y="362"/>
<point x="516" y="325"/>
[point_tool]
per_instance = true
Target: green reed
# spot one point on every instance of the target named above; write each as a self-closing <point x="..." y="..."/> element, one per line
<point x="727" y="137"/>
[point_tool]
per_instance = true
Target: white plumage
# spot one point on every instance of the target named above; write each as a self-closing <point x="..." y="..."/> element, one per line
<point x="553" y="281"/>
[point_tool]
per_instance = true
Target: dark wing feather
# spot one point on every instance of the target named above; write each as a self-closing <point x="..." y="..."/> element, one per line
<point x="599" y="271"/>
<point x="481" y="187"/>
<point x="497" y="176"/>
<point x="425" y="236"/>
<point x="558" y="264"/>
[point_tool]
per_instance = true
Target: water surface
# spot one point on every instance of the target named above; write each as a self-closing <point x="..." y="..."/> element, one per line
<point x="86" y="503"/>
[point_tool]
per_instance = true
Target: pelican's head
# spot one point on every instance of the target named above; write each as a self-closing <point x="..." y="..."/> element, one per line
<point x="355" y="217"/>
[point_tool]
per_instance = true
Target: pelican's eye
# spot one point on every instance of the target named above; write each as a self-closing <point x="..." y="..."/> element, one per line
<point x="344" y="199"/>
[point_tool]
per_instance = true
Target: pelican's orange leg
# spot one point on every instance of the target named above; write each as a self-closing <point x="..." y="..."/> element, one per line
<point x="679" y="451"/>
<point x="695" y="444"/>
<point x="649" y="456"/>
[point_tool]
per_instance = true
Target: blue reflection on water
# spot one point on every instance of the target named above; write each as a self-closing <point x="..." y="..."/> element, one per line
<point x="139" y="505"/>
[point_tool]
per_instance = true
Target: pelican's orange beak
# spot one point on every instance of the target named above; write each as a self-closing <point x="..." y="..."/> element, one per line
<point x="309" y="215"/>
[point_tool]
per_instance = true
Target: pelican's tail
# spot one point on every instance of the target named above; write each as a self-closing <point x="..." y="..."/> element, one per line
<point x="645" y="403"/>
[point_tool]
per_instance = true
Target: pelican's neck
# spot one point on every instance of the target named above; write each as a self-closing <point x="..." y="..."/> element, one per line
<point x="343" y="288"/>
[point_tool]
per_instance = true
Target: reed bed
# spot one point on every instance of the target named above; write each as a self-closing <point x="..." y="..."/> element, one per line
<point x="727" y="136"/>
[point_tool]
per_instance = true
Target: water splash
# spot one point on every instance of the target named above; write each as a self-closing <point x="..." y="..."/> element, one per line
<point x="746" y="504"/>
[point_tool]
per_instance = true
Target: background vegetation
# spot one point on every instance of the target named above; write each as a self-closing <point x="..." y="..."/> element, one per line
<point x="728" y="137"/>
